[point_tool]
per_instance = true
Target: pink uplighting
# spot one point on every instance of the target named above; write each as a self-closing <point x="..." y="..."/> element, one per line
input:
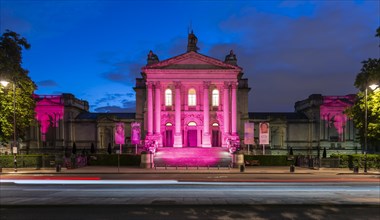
<point x="192" y="157"/>
<point x="49" y="111"/>
<point x="332" y="111"/>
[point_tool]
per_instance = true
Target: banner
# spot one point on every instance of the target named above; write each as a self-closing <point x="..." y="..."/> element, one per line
<point x="119" y="133"/>
<point x="264" y="133"/>
<point x="135" y="136"/>
<point x="249" y="129"/>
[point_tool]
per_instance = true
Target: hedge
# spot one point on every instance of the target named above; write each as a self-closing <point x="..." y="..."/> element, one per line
<point x="111" y="160"/>
<point x="351" y="160"/>
<point x="270" y="160"/>
<point x="35" y="161"/>
<point x="39" y="161"/>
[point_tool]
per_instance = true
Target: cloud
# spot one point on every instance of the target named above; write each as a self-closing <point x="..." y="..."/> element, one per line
<point x="116" y="102"/>
<point x="130" y="104"/>
<point x="114" y="109"/>
<point x="123" y="71"/>
<point x="115" y="97"/>
<point x="287" y="58"/>
<point x="47" y="83"/>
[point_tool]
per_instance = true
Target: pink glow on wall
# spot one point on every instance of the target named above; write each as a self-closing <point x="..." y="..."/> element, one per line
<point x="194" y="156"/>
<point x="191" y="78"/>
<point x="49" y="110"/>
<point x="332" y="111"/>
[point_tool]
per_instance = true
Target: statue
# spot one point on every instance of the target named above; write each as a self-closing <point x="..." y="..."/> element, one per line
<point x="231" y="58"/>
<point x="192" y="42"/>
<point x="152" y="58"/>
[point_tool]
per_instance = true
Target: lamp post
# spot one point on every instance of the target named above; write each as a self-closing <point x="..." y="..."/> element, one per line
<point x="373" y="87"/>
<point x="14" y="149"/>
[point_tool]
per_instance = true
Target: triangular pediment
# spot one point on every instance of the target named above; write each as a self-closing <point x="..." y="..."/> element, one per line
<point x="49" y="101"/>
<point x="337" y="103"/>
<point x="192" y="60"/>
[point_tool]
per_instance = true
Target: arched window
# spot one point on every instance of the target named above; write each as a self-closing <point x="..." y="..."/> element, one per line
<point x="192" y="124"/>
<point x="215" y="97"/>
<point x="215" y="124"/>
<point x="169" y="124"/>
<point x="168" y="97"/>
<point x="192" y="96"/>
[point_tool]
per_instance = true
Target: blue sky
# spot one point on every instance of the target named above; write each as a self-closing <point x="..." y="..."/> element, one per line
<point x="288" y="50"/>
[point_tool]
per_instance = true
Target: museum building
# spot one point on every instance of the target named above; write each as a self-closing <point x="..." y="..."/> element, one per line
<point x="193" y="100"/>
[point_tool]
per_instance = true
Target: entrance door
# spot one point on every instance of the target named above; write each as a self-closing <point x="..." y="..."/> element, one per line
<point x="169" y="138"/>
<point x="192" y="138"/>
<point x="215" y="138"/>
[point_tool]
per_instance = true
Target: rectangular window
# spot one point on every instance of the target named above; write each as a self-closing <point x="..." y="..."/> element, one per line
<point x="168" y="97"/>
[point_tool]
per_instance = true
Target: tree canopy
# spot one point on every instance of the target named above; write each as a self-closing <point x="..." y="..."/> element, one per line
<point x="368" y="75"/>
<point x="19" y="91"/>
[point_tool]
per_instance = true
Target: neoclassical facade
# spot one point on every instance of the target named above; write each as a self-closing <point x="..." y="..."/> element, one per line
<point x="193" y="100"/>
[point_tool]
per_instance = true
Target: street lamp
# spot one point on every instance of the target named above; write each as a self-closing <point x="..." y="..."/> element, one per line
<point x="14" y="149"/>
<point x="373" y="87"/>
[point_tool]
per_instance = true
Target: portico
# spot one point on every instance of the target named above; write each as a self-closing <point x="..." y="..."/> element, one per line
<point x="191" y="99"/>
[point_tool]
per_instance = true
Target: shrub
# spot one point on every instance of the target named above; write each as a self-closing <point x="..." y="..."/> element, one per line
<point x="111" y="160"/>
<point x="351" y="160"/>
<point x="270" y="160"/>
<point x="34" y="161"/>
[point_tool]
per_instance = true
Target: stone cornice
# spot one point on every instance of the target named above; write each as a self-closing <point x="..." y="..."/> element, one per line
<point x="192" y="55"/>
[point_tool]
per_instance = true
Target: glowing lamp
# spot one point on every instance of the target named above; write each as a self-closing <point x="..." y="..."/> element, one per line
<point x="374" y="86"/>
<point x="4" y="83"/>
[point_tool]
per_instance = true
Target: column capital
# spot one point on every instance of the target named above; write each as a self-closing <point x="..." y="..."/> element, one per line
<point x="234" y="85"/>
<point x="206" y="84"/>
<point x="226" y="85"/>
<point x="149" y="85"/>
<point x="177" y="84"/>
<point x="157" y="85"/>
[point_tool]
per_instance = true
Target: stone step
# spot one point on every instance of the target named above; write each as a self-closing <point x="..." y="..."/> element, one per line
<point x="194" y="156"/>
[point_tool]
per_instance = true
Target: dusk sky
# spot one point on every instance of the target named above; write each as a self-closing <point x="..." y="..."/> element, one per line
<point x="288" y="50"/>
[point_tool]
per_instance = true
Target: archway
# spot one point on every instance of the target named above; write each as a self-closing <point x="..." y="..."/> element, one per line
<point x="169" y="135"/>
<point x="215" y="135"/>
<point x="192" y="134"/>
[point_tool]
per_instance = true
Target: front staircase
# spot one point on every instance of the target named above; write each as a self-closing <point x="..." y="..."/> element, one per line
<point x="192" y="157"/>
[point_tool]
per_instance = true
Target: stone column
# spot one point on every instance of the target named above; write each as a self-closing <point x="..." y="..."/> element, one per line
<point x="206" y="140"/>
<point x="233" y="108"/>
<point x="150" y="108"/>
<point x="226" y="108"/>
<point x="158" y="112"/>
<point x="178" y="133"/>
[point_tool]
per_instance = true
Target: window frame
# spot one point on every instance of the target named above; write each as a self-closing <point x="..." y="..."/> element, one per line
<point x="192" y="97"/>
<point x="168" y="97"/>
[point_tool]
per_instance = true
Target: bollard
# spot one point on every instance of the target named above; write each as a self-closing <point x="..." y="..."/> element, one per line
<point x="292" y="168"/>
<point x="356" y="169"/>
<point x="242" y="168"/>
<point x="58" y="168"/>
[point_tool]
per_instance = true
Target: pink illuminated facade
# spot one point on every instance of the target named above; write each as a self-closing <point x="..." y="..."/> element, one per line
<point x="49" y="112"/>
<point x="191" y="99"/>
<point x="329" y="125"/>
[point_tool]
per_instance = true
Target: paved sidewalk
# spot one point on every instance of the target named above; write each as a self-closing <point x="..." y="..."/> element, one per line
<point x="184" y="170"/>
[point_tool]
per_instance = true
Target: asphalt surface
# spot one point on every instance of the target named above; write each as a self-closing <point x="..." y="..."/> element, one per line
<point x="191" y="212"/>
<point x="180" y="193"/>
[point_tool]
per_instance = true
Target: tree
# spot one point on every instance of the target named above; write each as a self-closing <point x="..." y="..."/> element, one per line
<point x="369" y="74"/>
<point x="109" y="149"/>
<point x="92" y="148"/>
<point x="20" y="85"/>
<point x="74" y="150"/>
<point x="324" y="155"/>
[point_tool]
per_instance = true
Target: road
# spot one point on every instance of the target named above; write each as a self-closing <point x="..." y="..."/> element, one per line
<point x="85" y="192"/>
<point x="198" y="196"/>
